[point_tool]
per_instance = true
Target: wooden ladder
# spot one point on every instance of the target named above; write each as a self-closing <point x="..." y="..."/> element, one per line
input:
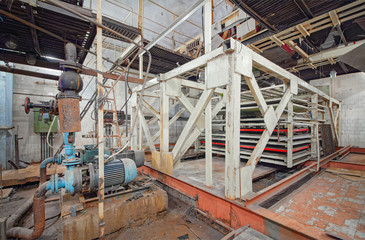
<point x="115" y="118"/>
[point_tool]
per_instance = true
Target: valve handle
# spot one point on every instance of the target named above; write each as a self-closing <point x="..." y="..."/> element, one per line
<point x="27" y="105"/>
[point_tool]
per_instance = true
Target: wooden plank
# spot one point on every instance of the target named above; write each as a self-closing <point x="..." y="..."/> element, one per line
<point x="327" y="139"/>
<point x="28" y="174"/>
<point x="342" y="171"/>
<point x="6" y="192"/>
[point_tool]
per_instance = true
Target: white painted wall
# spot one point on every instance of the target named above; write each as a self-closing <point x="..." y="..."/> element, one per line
<point x="350" y="90"/>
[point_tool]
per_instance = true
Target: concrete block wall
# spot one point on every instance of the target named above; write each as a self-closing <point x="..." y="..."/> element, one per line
<point x="38" y="89"/>
<point x="350" y="90"/>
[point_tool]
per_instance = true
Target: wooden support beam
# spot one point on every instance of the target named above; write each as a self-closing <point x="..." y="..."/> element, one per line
<point x="101" y="141"/>
<point x="151" y="109"/>
<point x="256" y="93"/>
<point x="337" y="24"/>
<point x="233" y="116"/>
<point x="197" y="131"/>
<point x="164" y="118"/>
<point x="247" y="171"/>
<point x="298" y="50"/>
<point x="193" y="119"/>
<point x="289" y="127"/>
<point x="315" y="117"/>
<point x="333" y="124"/>
<point x="276" y="40"/>
<point x="147" y="132"/>
<point x="302" y="30"/>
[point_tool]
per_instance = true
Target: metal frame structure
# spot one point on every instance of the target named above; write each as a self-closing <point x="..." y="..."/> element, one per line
<point x="225" y="69"/>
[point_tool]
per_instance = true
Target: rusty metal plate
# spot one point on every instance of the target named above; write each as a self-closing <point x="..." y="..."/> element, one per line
<point x="69" y="114"/>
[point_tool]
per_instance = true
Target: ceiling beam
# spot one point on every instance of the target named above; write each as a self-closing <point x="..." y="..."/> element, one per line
<point x="28" y="73"/>
<point x="176" y="23"/>
<point x="337" y="24"/>
<point x="256" y="16"/>
<point x="303" y="7"/>
<point x="30" y="15"/>
<point x="87" y="72"/>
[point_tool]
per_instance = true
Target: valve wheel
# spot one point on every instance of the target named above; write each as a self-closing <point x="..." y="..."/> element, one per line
<point x="27" y="105"/>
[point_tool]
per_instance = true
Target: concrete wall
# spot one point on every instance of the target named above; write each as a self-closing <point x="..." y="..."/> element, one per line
<point x="350" y="90"/>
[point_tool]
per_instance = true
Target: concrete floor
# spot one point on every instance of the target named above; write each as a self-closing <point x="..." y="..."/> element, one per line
<point x="19" y="197"/>
<point x="193" y="172"/>
<point x="330" y="203"/>
<point x="178" y="221"/>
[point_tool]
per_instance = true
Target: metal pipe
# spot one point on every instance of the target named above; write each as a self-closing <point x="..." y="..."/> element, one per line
<point x="43" y="169"/>
<point x="39" y="216"/>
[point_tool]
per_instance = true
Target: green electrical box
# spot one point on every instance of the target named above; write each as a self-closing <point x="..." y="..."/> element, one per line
<point x="42" y="122"/>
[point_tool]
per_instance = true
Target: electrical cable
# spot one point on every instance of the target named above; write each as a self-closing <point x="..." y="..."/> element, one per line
<point x="60" y="4"/>
<point x="49" y="130"/>
<point x="139" y="109"/>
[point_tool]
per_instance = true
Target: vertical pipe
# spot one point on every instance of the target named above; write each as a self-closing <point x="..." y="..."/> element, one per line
<point x="99" y="65"/>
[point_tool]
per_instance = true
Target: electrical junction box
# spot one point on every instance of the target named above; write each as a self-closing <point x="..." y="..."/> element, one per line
<point x="42" y="122"/>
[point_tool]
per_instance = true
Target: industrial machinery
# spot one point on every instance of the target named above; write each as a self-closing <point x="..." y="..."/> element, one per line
<point x="82" y="174"/>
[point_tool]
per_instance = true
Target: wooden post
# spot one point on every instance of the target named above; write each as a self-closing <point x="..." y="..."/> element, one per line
<point x="207" y="27"/>
<point x="208" y="109"/>
<point x="140" y="137"/>
<point x="314" y="113"/>
<point x="289" y="156"/>
<point x="99" y="65"/>
<point x="140" y="14"/>
<point x="134" y="144"/>
<point x="164" y="118"/>
<point x="208" y="146"/>
<point x="232" y="152"/>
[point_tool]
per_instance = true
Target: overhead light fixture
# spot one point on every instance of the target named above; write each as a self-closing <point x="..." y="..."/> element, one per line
<point x="11" y="41"/>
<point x="31" y="58"/>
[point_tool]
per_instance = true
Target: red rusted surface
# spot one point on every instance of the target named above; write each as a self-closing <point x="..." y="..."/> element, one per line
<point x="69" y="114"/>
<point x="328" y="202"/>
<point x="235" y="215"/>
<point x="38" y="216"/>
<point x="279" y="186"/>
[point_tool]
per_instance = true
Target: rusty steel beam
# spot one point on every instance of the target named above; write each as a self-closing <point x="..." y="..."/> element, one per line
<point x="88" y="72"/>
<point x="235" y="215"/>
<point x="284" y="183"/>
<point x="29" y="73"/>
<point x="346" y="165"/>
